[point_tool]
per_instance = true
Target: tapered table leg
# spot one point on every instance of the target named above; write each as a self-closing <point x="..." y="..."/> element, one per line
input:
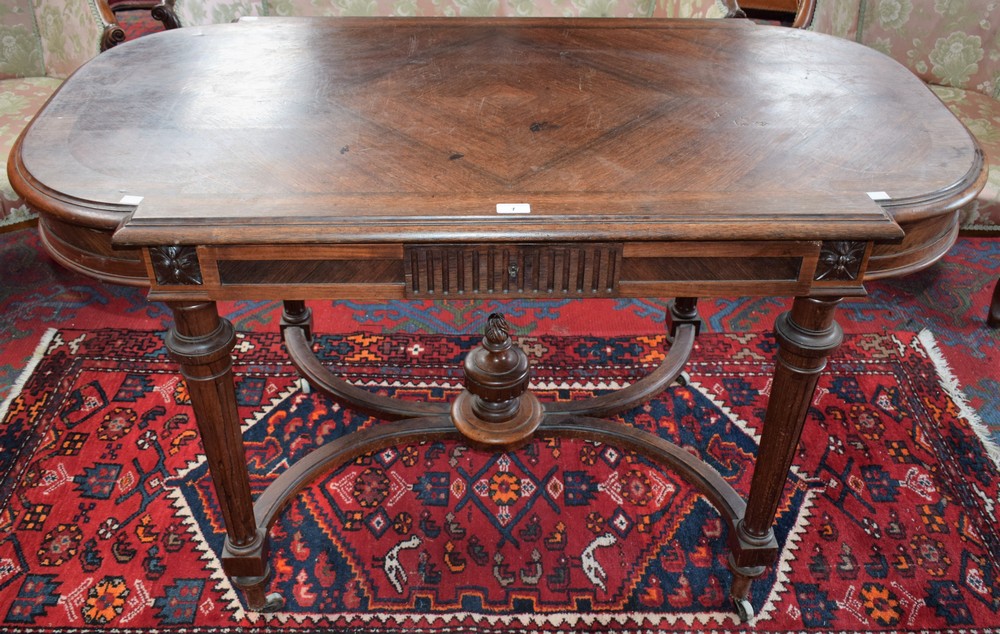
<point x="806" y="336"/>
<point x="201" y="342"/>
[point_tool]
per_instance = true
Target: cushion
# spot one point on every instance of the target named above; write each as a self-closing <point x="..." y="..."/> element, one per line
<point x="690" y="9"/>
<point x="20" y="99"/>
<point x="944" y="43"/>
<point x="981" y="114"/>
<point x="196" y="12"/>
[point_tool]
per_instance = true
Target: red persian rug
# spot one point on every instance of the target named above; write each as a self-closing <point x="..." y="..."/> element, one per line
<point x="108" y="521"/>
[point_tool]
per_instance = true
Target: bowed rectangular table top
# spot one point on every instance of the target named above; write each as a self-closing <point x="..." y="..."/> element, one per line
<point x="381" y="130"/>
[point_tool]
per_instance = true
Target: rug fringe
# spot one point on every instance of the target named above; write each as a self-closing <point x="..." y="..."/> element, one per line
<point x="950" y="383"/>
<point x="29" y="368"/>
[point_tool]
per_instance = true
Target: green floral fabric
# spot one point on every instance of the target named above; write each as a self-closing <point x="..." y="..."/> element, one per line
<point x="47" y="37"/>
<point x="20" y="46"/>
<point x="197" y="12"/>
<point x="693" y="9"/>
<point x="70" y="31"/>
<point x="837" y="17"/>
<point x="20" y="99"/>
<point x="41" y="43"/>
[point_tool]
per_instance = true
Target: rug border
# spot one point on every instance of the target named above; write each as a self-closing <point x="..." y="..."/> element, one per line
<point x="949" y="381"/>
<point x="29" y="368"/>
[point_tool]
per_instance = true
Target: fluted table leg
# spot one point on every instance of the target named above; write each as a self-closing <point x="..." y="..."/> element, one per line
<point x="201" y="342"/>
<point x="806" y="336"/>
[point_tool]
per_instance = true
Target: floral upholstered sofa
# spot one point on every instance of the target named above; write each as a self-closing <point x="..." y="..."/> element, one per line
<point x="41" y="43"/>
<point x="196" y="12"/>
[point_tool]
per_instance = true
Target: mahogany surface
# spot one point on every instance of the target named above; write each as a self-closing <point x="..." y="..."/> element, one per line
<point x="380" y="158"/>
<point x="426" y="125"/>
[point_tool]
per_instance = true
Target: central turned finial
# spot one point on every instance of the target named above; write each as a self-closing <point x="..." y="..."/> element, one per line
<point x="497" y="332"/>
<point x="495" y="407"/>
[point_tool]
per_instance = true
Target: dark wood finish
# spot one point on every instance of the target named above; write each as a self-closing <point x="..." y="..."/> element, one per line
<point x="132" y="5"/>
<point x="300" y="351"/>
<point x="393" y="158"/>
<point x="548" y="143"/>
<point x="624" y="399"/>
<point x="804" y="13"/>
<point x="493" y="409"/>
<point x="113" y="34"/>
<point x="780" y="12"/>
<point x="516" y="270"/>
<point x="201" y="343"/>
<point x="164" y="12"/>
<point x="806" y="335"/>
<point x="284" y="488"/>
<point x="85" y="247"/>
<point x="782" y="6"/>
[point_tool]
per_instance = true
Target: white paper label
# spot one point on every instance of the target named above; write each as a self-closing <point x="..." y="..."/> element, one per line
<point x="513" y="208"/>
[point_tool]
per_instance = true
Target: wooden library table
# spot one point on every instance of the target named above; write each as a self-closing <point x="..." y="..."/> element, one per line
<point x="379" y="159"/>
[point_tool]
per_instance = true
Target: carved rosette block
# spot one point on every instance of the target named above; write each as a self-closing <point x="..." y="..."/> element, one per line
<point x="176" y="265"/>
<point x="840" y="260"/>
<point x="495" y="408"/>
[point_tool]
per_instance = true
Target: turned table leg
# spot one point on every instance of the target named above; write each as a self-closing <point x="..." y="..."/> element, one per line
<point x="201" y="342"/>
<point x="806" y="336"/>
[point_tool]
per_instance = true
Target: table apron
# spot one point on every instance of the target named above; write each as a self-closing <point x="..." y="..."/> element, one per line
<point x="540" y="270"/>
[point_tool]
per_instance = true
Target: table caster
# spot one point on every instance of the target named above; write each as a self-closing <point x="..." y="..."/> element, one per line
<point x="305" y="386"/>
<point x="744" y="610"/>
<point x="273" y="602"/>
<point x="257" y="599"/>
<point x="683" y="379"/>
